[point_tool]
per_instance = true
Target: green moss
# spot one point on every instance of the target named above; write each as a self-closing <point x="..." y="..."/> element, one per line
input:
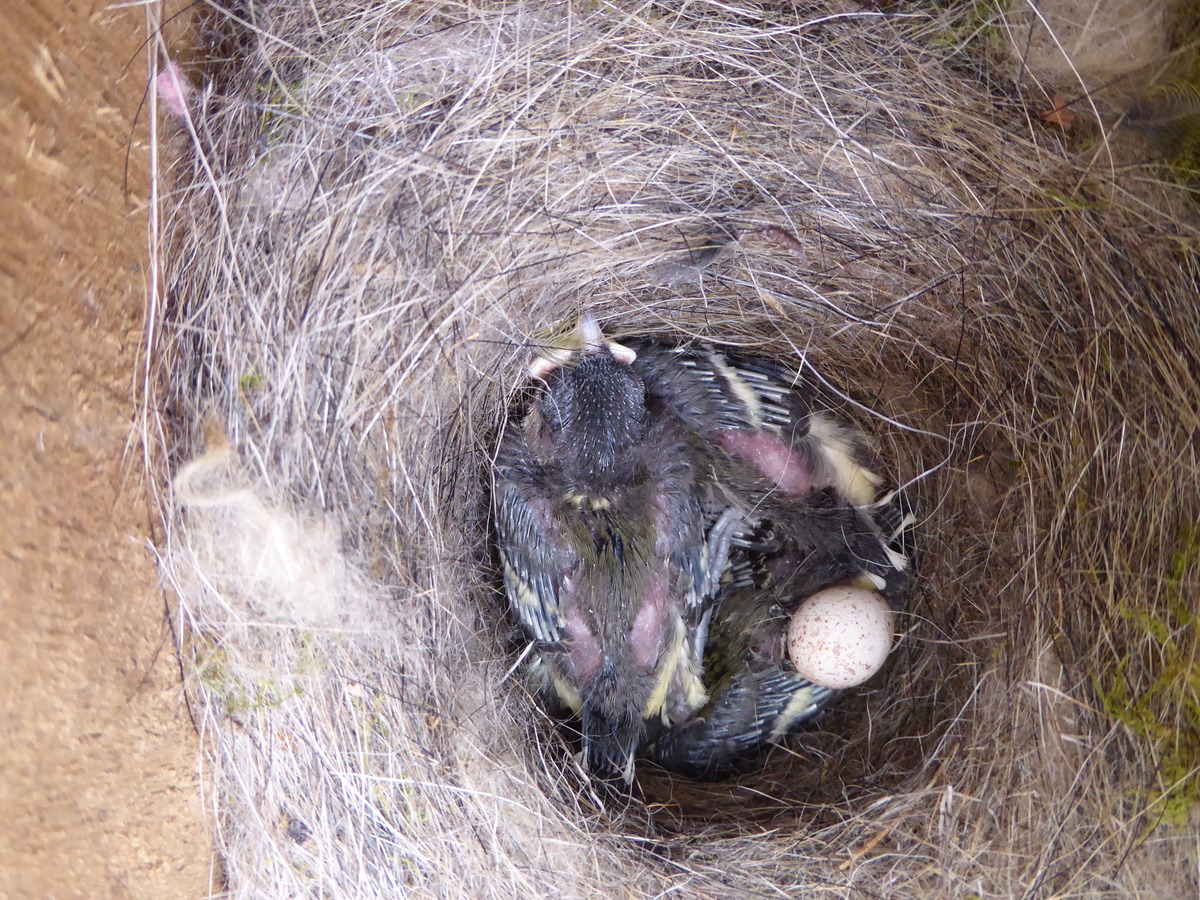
<point x="280" y="107"/>
<point x="973" y="26"/>
<point x="1160" y="705"/>
<point x="251" y="382"/>
<point x="211" y="665"/>
<point x="261" y="694"/>
<point x="1059" y="199"/>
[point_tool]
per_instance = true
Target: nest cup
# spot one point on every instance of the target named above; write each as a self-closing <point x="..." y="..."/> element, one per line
<point x="370" y="215"/>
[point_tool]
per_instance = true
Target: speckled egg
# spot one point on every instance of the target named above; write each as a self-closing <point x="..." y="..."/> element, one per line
<point x="841" y="636"/>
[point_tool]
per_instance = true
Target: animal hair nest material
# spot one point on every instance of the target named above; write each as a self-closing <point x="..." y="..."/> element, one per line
<point x="369" y="211"/>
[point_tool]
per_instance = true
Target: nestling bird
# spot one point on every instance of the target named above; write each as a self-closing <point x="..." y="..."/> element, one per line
<point x="757" y="697"/>
<point x="793" y="475"/>
<point x="610" y="556"/>
<point x="803" y="489"/>
<point x="755" y="411"/>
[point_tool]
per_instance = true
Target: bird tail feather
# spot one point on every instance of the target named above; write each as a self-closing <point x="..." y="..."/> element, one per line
<point x="612" y="728"/>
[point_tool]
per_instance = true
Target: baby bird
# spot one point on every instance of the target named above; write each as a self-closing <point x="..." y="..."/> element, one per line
<point x="617" y="501"/>
<point x="757" y="697"/>
<point x="803" y="489"/>
<point x="608" y="557"/>
<point x="754" y="410"/>
<point x="792" y="474"/>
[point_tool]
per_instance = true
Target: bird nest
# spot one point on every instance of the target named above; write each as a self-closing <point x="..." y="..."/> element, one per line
<point x="368" y="212"/>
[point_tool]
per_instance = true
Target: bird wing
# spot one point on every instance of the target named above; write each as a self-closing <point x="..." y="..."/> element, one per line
<point x="685" y="548"/>
<point x="710" y="391"/>
<point x="534" y="559"/>
<point x="758" y="705"/>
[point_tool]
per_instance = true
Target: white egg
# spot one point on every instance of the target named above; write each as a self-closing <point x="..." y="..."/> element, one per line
<point x="841" y="636"/>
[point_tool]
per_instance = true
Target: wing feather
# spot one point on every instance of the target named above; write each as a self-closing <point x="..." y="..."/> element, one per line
<point x="534" y="560"/>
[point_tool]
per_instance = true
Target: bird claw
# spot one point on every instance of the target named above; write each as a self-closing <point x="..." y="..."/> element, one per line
<point x="720" y="543"/>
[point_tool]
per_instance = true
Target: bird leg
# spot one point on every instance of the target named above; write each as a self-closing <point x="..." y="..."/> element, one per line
<point x="720" y="542"/>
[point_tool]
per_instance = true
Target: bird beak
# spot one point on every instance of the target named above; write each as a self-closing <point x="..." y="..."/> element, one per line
<point x="586" y="338"/>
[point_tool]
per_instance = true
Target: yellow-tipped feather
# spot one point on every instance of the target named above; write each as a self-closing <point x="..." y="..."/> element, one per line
<point x="854" y="482"/>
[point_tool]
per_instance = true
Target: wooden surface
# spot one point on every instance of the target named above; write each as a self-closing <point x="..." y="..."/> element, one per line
<point x="99" y="789"/>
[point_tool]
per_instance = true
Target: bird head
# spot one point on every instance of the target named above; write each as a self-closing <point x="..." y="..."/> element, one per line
<point x="592" y="413"/>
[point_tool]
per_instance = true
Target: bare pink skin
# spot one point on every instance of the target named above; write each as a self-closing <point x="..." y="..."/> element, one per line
<point x="651" y="620"/>
<point x="772" y="457"/>
<point x="545" y="515"/>
<point x="646" y="636"/>
<point x="173" y="89"/>
<point x="585" y="649"/>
